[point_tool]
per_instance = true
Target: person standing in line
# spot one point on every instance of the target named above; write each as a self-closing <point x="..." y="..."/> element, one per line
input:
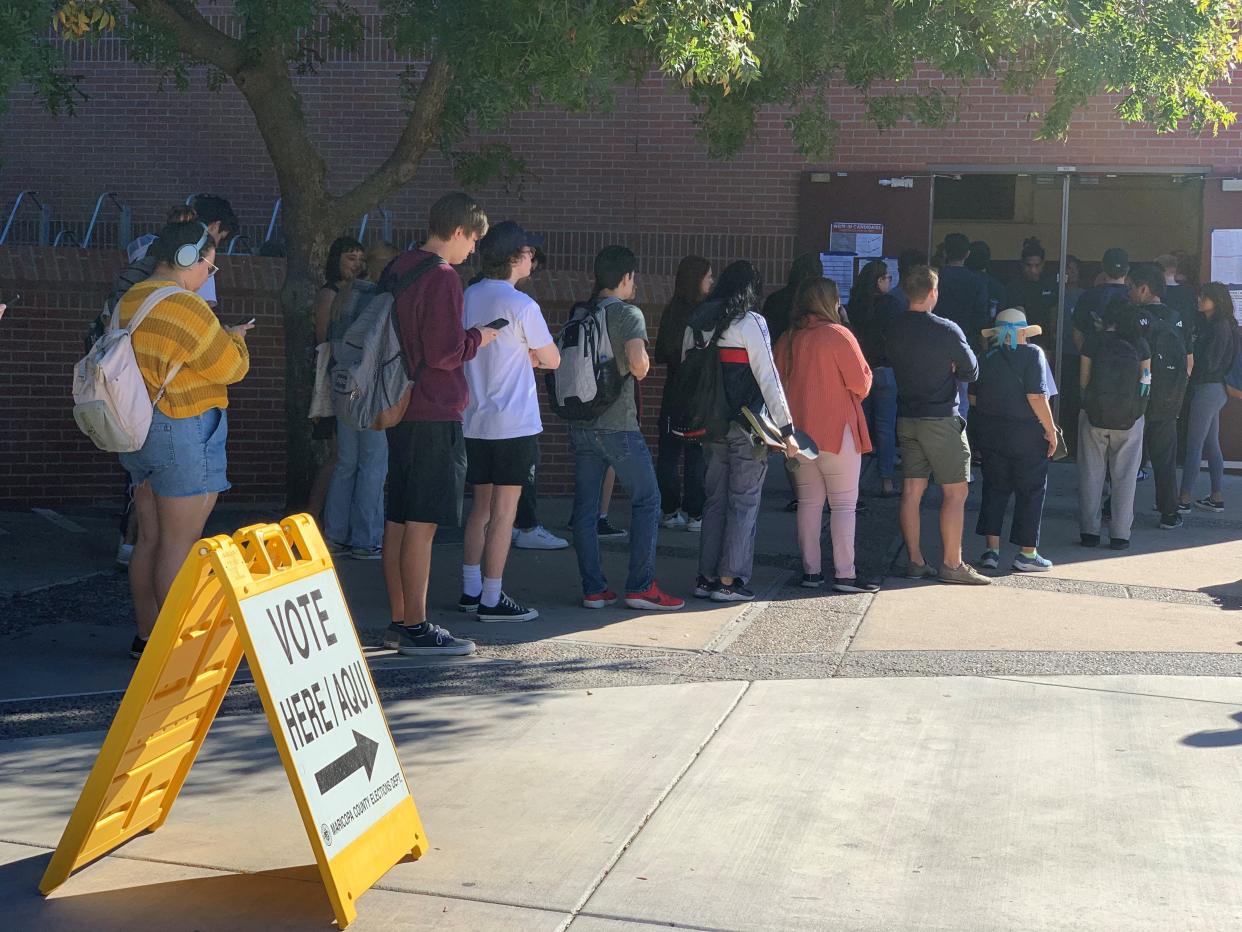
<point x="501" y="422"/>
<point x="871" y="306"/>
<point x="908" y="260"/>
<point x="1037" y="297"/>
<point x="1180" y="298"/>
<point x="929" y="356"/>
<point x="691" y="285"/>
<point x="778" y="308"/>
<point x="187" y="360"/>
<point x="737" y="463"/>
<point x="426" y="450"/>
<point x="1017" y="438"/>
<point x="1073" y="283"/>
<point x="826" y="377"/>
<point x="1171" y="366"/>
<point x="1115" y="377"/>
<point x="351" y="482"/>
<point x="963" y="300"/>
<point x="613" y="440"/>
<point x="978" y="261"/>
<point x="1086" y="321"/>
<point x="1215" y="346"/>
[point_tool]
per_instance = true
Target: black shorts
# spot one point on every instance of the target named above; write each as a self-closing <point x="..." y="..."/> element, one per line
<point x="426" y="472"/>
<point x="501" y="462"/>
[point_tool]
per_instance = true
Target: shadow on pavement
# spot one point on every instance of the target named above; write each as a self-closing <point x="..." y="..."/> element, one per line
<point x="1217" y="739"/>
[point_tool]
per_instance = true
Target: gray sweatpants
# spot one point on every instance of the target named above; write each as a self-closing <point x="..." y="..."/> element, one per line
<point x="1101" y="454"/>
<point x="734" y="486"/>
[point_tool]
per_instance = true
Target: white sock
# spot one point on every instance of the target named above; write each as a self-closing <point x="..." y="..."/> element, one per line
<point x="471" y="579"/>
<point x="491" y="592"/>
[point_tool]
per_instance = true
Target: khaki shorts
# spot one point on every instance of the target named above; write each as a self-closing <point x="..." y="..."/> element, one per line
<point x="934" y="446"/>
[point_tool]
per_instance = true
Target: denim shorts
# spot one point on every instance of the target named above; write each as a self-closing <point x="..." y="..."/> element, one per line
<point x="183" y="456"/>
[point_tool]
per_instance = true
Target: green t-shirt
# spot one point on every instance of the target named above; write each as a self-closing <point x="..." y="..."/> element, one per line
<point x="625" y="322"/>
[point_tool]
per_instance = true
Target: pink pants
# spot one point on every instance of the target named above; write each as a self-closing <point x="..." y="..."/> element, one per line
<point x="832" y="476"/>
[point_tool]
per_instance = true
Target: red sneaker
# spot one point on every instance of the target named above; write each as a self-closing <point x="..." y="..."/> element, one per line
<point x="600" y="599"/>
<point x="654" y="599"/>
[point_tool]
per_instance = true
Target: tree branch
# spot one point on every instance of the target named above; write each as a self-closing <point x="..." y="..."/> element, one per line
<point x="195" y="36"/>
<point x="417" y="137"/>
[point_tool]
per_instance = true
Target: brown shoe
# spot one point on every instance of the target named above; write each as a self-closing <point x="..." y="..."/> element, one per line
<point x="963" y="575"/>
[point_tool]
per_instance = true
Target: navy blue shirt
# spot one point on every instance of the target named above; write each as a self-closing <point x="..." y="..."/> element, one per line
<point x="1006" y="376"/>
<point x="963" y="300"/>
<point x="923" y="350"/>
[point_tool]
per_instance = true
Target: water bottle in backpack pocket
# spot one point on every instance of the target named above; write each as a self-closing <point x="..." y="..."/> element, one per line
<point x="588" y="380"/>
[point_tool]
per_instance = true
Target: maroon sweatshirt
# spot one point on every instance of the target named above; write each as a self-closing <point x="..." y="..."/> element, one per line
<point x="429" y="319"/>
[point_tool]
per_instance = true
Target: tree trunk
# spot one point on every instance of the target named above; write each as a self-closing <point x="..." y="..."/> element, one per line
<point x="308" y="234"/>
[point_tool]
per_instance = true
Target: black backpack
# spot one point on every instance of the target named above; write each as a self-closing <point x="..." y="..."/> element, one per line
<point x="697" y="407"/>
<point x="1168" y="371"/>
<point x="1113" y="401"/>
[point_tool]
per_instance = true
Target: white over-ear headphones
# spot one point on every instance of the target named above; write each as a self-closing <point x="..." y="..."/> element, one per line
<point x="189" y="255"/>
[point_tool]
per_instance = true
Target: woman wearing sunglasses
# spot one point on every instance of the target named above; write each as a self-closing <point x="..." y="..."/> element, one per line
<point x="187" y="360"/>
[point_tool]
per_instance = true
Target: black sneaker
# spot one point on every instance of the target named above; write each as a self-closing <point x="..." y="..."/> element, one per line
<point x="607" y="531"/>
<point x="1207" y="504"/>
<point x="855" y="585"/>
<point x="506" y="610"/>
<point x="468" y="603"/>
<point x="1183" y="508"/>
<point x="1119" y="543"/>
<point x="812" y="581"/>
<point x="1089" y="540"/>
<point x="426" y="639"/>
<point x="1171" y="522"/>
<point x="137" y="647"/>
<point x="704" y="587"/>
<point x="734" y="593"/>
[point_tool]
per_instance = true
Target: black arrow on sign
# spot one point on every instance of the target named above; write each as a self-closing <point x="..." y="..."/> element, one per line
<point x="360" y="757"/>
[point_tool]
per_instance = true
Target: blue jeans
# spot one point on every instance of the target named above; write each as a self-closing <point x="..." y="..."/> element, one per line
<point x="353" y="513"/>
<point x="627" y="453"/>
<point x="880" y="410"/>
<point x="735" y="474"/>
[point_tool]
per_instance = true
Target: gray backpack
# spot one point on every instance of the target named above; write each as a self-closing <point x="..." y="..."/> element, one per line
<point x="371" y="386"/>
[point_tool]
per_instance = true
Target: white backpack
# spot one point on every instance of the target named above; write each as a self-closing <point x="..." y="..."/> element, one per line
<point x="110" y="399"/>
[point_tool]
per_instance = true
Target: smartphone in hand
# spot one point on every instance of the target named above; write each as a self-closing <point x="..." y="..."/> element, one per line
<point x="499" y="323"/>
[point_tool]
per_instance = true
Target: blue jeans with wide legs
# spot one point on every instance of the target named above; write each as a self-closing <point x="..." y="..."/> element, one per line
<point x="354" y="511"/>
<point x="627" y="453"/>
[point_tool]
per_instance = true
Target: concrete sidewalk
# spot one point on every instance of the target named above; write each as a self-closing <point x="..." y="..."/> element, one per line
<point x="913" y="804"/>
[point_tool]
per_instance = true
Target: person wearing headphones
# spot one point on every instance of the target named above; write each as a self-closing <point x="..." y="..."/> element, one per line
<point x="187" y="360"/>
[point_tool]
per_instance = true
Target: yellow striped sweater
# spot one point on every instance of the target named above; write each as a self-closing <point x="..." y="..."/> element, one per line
<point x="184" y="329"/>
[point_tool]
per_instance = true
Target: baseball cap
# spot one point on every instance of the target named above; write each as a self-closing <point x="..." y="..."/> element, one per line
<point x="504" y="239"/>
<point x="1116" y="262"/>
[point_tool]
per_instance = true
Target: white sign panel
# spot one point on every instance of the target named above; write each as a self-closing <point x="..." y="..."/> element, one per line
<point x="331" y="721"/>
<point x="1227" y="265"/>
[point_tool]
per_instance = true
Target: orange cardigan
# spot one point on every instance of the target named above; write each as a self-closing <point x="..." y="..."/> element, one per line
<point x="825" y="378"/>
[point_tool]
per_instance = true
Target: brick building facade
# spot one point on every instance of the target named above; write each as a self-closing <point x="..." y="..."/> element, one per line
<point x="637" y="174"/>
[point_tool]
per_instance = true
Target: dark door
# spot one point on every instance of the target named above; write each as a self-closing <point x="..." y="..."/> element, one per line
<point x="859" y="197"/>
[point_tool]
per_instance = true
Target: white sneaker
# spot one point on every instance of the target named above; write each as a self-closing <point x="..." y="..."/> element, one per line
<point x="674" y="521"/>
<point x="694" y="524"/>
<point x="538" y="538"/>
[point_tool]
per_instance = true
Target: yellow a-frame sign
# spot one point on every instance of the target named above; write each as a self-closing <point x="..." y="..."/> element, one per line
<point x="270" y="592"/>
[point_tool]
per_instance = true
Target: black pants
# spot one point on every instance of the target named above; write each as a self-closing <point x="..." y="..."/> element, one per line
<point x="1015" y="464"/>
<point x="1161" y="436"/>
<point x="668" y="474"/>
<point x="527" y="515"/>
<point x="1071" y="400"/>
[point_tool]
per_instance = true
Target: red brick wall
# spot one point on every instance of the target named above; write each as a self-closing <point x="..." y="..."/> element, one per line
<point x="45" y="460"/>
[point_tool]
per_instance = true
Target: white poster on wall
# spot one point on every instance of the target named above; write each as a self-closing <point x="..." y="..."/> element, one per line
<point x="862" y="239"/>
<point x="1227" y="265"/>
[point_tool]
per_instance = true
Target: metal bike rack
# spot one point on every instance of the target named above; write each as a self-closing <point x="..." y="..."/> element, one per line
<point x="386" y="219"/>
<point x="271" y="225"/>
<point x="124" y="225"/>
<point x="66" y="238"/>
<point x="233" y="248"/>
<point x="45" y="217"/>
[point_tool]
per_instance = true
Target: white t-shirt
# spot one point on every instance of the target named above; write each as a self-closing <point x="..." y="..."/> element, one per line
<point x="503" y="403"/>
